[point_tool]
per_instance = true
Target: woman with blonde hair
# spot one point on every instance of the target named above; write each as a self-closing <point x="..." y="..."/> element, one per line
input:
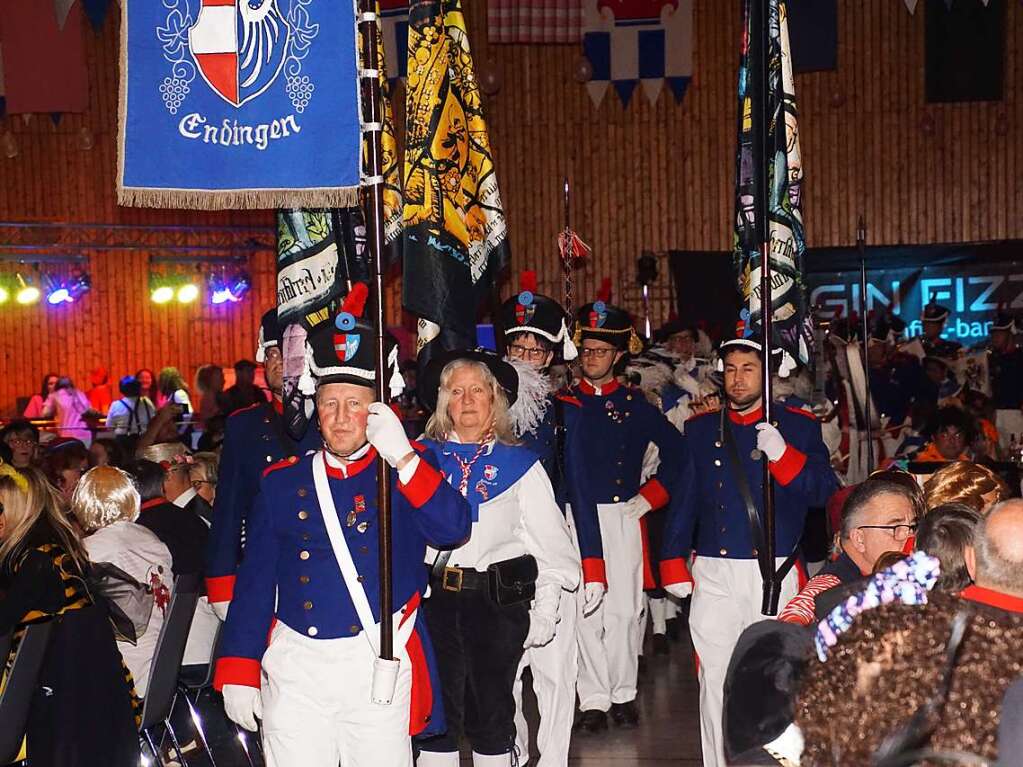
<point x="83" y="710"/>
<point x="964" y="482"/>
<point x="106" y="505"/>
<point x="519" y="538"/>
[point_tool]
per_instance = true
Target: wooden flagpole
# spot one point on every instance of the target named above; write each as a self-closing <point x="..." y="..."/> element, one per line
<point x="373" y="186"/>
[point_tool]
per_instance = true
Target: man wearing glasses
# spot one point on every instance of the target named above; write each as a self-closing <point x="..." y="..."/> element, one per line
<point x="536" y="335"/>
<point x="22" y="437"/>
<point x="878" y="516"/>
<point x="616" y="426"/>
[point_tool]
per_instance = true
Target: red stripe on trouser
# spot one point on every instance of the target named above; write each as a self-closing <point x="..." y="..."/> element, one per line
<point x="421" y="703"/>
<point x="649" y="582"/>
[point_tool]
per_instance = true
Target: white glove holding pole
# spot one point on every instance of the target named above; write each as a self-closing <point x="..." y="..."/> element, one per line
<point x="243" y="705"/>
<point x="385" y="432"/>
<point x="593" y="595"/>
<point x="543" y="616"/>
<point x="680" y="590"/>
<point x="770" y="442"/>
<point x="636" y="507"/>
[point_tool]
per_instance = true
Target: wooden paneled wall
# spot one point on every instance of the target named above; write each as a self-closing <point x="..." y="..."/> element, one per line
<point x="645" y="177"/>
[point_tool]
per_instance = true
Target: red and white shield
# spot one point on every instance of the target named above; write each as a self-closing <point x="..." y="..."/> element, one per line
<point x="239" y="46"/>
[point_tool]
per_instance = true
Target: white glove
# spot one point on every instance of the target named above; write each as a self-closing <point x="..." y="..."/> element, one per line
<point x="770" y="442"/>
<point x="385" y="432"/>
<point x="680" y="590"/>
<point x="593" y="595"/>
<point x="243" y="705"/>
<point x="543" y="616"/>
<point x="220" y="608"/>
<point x="636" y="507"/>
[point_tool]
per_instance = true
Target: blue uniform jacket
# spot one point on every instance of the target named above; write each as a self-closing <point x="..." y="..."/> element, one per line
<point x="708" y="513"/>
<point x="289" y="559"/>
<point x="251" y="444"/>
<point x="605" y="456"/>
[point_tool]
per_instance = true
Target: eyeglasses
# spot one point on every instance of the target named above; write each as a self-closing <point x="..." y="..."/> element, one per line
<point x="898" y="532"/>
<point x="21" y="442"/>
<point x="598" y="353"/>
<point x="526" y="352"/>
<point x="197" y="483"/>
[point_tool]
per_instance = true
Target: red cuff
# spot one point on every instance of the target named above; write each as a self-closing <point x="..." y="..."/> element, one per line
<point x="242" y="671"/>
<point x="220" y="589"/>
<point x="675" y="571"/>
<point x="422" y="486"/>
<point x="593" y="570"/>
<point x="787" y="468"/>
<point x="655" y="494"/>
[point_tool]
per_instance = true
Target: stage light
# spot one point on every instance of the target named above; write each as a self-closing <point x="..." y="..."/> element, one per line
<point x="187" y="293"/>
<point x="4" y="295"/>
<point x="224" y="289"/>
<point x="66" y="290"/>
<point x="27" y="292"/>
<point x="162" y="294"/>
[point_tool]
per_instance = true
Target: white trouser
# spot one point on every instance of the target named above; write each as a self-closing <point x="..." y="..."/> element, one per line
<point x="610" y="637"/>
<point x="727" y="597"/>
<point x="317" y="710"/>
<point x="555" y="669"/>
<point x="661" y="611"/>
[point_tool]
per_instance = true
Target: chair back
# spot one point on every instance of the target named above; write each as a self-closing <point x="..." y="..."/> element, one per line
<point x="170" y="649"/>
<point x="17" y="693"/>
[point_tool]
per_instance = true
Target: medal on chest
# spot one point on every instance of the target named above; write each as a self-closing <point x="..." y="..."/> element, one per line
<point x="359" y="508"/>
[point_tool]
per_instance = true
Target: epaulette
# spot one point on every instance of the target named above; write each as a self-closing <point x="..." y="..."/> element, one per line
<point x="701" y="415"/>
<point x="568" y="397"/>
<point x="290" y="461"/>
<point x="243" y="409"/>
<point x="801" y="411"/>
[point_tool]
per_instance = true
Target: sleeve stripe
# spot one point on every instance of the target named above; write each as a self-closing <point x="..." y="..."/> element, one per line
<point x="422" y="486"/>
<point x="675" y="571"/>
<point x="593" y="570"/>
<point x="787" y="468"/>
<point x="241" y="671"/>
<point x="655" y="494"/>
<point x="220" y="589"/>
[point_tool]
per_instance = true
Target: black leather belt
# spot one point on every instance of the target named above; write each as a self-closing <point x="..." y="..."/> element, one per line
<point x="458" y="579"/>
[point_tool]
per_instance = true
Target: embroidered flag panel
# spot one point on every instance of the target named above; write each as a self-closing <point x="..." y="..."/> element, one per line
<point x="394" y="28"/>
<point x="791" y="322"/>
<point x="239" y="104"/>
<point x="628" y="42"/>
<point x="534" y="21"/>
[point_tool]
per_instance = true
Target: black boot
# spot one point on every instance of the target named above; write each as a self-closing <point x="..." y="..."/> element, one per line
<point x="625" y="714"/>
<point x="592" y="721"/>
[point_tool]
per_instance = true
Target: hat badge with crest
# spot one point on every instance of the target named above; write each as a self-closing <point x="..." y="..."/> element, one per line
<point x="525" y="308"/>
<point x="598" y="314"/>
<point x="347" y="342"/>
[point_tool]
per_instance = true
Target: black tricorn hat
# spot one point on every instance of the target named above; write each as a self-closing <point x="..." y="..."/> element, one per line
<point x="532" y="312"/>
<point x="603" y="322"/>
<point x="761" y="683"/>
<point x="344" y="350"/>
<point x="269" y="334"/>
<point x="934" y="312"/>
<point x="428" y="384"/>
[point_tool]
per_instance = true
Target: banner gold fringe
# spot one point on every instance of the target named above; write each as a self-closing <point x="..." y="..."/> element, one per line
<point x="192" y="199"/>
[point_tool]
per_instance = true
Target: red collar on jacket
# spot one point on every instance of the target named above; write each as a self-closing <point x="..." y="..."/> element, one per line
<point x="587" y="388"/>
<point x="745" y="419"/>
<point x="158" y="501"/>
<point x="984" y="596"/>
<point x="277" y="405"/>
<point x="354" y="467"/>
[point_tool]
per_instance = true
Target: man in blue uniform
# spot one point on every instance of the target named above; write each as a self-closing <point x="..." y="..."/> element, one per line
<point x="615" y="427"/>
<point x="933" y="319"/>
<point x="310" y="580"/>
<point x="896" y="379"/>
<point x="1005" y="370"/>
<point x="722" y="453"/>
<point x="256" y="438"/>
<point x="535" y="335"/>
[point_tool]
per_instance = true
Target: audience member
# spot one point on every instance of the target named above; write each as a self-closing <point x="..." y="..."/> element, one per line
<point x="22" y="437"/>
<point x="183" y="531"/>
<point x="965" y="482"/>
<point x="244" y="393"/>
<point x="892" y="662"/>
<point x="106" y="504"/>
<point x="106" y="452"/>
<point x="174" y="392"/>
<point x="71" y="409"/>
<point x="951" y="433"/>
<point x="99" y="392"/>
<point x="34" y="409"/>
<point x="147" y="384"/>
<point x="209" y="382"/>
<point x="90" y="719"/>
<point x="203" y="475"/>
<point x="131" y="414"/>
<point x="946" y="532"/>
<point x="879" y="516"/>
<point x="212" y="438"/>
<point x="64" y="462"/>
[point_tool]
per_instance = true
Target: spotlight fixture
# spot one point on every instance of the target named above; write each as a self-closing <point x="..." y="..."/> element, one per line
<point x="67" y="290"/>
<point x="161" y="288"/>
<point x="4" y="295"/>
<point x="224" y="289"/>
<point x="27" y="293"/>
<point x="187" y="293"/>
